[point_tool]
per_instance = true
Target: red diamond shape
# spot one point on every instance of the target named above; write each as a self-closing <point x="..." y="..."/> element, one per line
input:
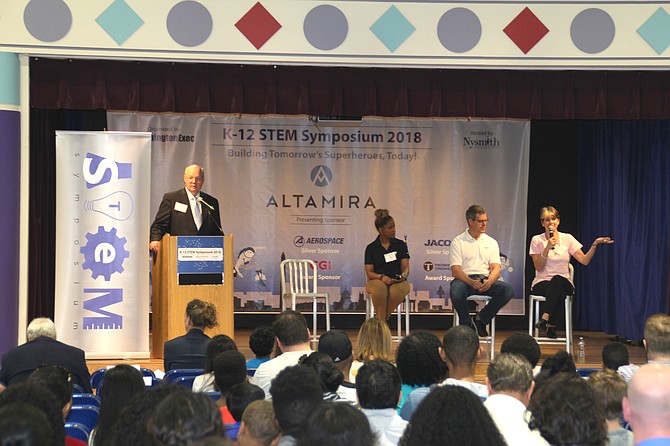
<point x="526" y="30"/>
<point x="258" y="25"/>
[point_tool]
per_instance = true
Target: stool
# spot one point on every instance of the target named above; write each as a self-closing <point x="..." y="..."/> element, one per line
<point x="491" y="338"/>
<point x="370" y="311"/>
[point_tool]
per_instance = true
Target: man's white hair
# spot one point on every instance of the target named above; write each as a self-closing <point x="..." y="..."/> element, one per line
<point x="41" y="326"/>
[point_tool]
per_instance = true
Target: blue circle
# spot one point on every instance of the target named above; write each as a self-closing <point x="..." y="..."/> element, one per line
<point x="325" y="27"/>
<point x="459" y="30"/>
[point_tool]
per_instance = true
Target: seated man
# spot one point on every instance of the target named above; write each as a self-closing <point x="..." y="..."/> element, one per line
<point x="337" y="345"/>
<point x="475" y="264"/>
<point x="646" y="405"/>
<point x="43" y="348"/>
<point x="378" y="388"/>
<point x="524" y="345"/>
<point x="610" y="389"/>
<point x="258" y="427"/>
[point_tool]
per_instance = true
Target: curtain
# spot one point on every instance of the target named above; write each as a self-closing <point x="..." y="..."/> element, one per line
<point x="624" y="192"/>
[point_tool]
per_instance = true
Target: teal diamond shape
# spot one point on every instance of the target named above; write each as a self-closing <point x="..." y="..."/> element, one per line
<point x="392" y="28"/>
<point x="119" y="21"/>
<point x="656" y="30"/>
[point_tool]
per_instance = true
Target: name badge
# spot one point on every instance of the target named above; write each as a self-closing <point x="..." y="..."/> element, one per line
<point x="180" y="207"/>
<point x="391" y="257"/>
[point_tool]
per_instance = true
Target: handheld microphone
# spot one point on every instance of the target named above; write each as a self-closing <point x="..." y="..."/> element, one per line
<point x="551" y="234"/>
<point x="209" y="213"/>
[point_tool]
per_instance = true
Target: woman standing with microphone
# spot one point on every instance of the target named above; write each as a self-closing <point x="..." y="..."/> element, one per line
<point x="386" y="267"/>
<point x="551" y="253"/>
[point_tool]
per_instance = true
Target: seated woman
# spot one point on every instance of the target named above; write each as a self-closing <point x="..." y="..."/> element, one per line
<point x="219" y="344"/>
<point x="551" y="253"/>
<point x="386" y="267"/>
<point x="373" y="342"/>
<point x="331" y="377"/>
<point x="188" y="351"/>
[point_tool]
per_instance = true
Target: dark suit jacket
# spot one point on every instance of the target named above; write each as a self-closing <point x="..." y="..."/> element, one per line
<point x="21" y="361"/>
<point x="169" y="220"/>
<point x="186" y="352"/>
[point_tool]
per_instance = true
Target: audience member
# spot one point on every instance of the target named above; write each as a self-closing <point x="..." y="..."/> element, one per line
<point x="331" y="378"/>
<point x="509" y="379"/>
<point x="374" y="342"/>
<point x="523" y="344"/>
<point x="419" y="362"/>
<point x="184" y="417"/>
<point x="657" y="339"/>
<point x="230" y="369"/>
<point x="615" y="357"/>
<point x="119" y="385"/>
<point x="43" y="348"/>
<point x="378" y="388"/>
<point x="37" y="395"/>
<point x="261" y="342"/>
<point x="239" y="397"/>
<point x="188" y="351"/>
<point x="296" y="393"/>
<point x="610" y="390"/>
<point x="565" y="411"/>
<point x="460" y="351"/>
<point x="647" y="405"/>
<point x="292" y="334"/>
<point x="219" y="344"/>
<point x="22" y="424"/>
<point x="336" y="344"/>
<point x="258" y="427"/>
<point x="336" y="424"/>
<point x="559" y="362"/>
<point x="451" y="415"/>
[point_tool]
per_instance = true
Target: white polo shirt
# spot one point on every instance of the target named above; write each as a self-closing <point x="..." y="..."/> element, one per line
<point x="475" y="256"/>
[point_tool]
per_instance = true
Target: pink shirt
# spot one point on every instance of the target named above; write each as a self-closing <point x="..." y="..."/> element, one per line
<point x="557" y="259"/>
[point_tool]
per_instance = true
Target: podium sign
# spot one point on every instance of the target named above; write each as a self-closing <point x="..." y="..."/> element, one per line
<point x="200" y="260"/>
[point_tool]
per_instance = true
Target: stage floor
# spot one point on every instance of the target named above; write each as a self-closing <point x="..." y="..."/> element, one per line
<point x="595" y="341"/>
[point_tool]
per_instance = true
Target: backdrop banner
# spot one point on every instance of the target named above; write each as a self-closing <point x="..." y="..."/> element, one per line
<point x="102" y="226"/>
<point x="307" y="187"/>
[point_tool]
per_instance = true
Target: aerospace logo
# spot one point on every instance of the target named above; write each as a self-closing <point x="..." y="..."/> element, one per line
<point x="299" y="240"/>
<point x="321" y="176"/>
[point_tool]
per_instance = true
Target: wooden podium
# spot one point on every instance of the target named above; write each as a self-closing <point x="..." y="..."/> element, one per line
<point x="169" y="298"/>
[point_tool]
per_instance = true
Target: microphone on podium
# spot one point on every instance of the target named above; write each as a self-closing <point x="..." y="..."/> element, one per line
<point x="211" y="209"/>
<point x="551" y="234"/>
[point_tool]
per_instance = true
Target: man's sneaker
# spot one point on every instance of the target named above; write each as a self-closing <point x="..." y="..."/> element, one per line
<point x="479" y="327"/>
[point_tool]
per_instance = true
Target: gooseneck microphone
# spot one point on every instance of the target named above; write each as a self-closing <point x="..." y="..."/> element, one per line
<point x="209" y="213"/>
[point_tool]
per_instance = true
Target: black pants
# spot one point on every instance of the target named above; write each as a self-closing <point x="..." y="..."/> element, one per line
<point x="555" y="291"/>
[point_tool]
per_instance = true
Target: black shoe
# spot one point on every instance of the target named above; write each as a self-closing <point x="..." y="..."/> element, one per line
<point x="479" y="326"/>
<point x="541" y="325"/>
<point x="551" y="332"/>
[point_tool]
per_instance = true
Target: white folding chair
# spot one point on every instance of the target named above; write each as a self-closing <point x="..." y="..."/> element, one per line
<point x="534" y="317"/>
<point x="490" y="340"/>
<point x="404" y="306"/>
<point x="299" y="280"/>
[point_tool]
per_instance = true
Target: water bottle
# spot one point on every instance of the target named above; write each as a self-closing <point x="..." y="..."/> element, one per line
<point x="581" y="349"/>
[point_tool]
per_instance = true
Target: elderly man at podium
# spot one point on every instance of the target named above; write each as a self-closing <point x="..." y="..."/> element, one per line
<point x="187" y="211"/>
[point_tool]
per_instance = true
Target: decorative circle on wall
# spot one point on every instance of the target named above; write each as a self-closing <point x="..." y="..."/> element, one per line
<point x="189" y="23"/>
<point x="459" y="30"/>
<point x="325" y="27"/>
<point x="592" y="30"/>
<point x="47" y="20"/>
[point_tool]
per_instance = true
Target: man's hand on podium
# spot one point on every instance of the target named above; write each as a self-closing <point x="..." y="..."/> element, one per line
<point x="153" y="246"/>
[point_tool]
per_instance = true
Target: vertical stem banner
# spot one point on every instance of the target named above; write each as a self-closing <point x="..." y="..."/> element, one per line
<point x="102" y="225"/>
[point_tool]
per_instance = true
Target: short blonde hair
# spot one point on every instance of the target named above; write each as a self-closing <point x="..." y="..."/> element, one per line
<point x="374" y="339"/>
<point x="41" y="326"/>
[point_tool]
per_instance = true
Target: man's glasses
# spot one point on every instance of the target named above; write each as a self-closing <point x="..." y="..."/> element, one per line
<point x="481" y="222"/>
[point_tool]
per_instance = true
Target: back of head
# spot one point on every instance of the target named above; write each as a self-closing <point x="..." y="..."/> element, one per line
<point x="463" y="420"/>
<point x="42" y="398"/>
<point x="219" y="344"/>
<point x="201" y="313"/>
<point x="241" y="396"/>
<point x="609" y="389"/>
<point x="522" y="344"/>
<point x="337" y="424"/>
<point x="614" y="355"/>
<point x="230" y="369"/>
<point x="657" y="336"/>
<point x="262" y="341"/>
<point x="259" y="422"/>
<point x="565" y="411"/>
<point x="290" y="328"/>
<point x="649" y="399"/>
<point x="55" y="378"/>
<point x="336" y="344"/>
<point x="374" y="340"/>
<point x="184" y="417"/>
<point x="418" y="359"/>
<point x="331" y="378"/>
<point x="296" y="392"/>
<point x="41" y="326"/>
<point x="559" y="362"/>
<point x="461" y="345"/>
<point x="119" y="385"/>
<point x="378" y="385"/>
<point x="22" y="424"/>
<point x="510" y="373"/>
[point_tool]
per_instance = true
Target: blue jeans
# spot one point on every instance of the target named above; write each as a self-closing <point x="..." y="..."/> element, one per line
<point x="500" y="293"/>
